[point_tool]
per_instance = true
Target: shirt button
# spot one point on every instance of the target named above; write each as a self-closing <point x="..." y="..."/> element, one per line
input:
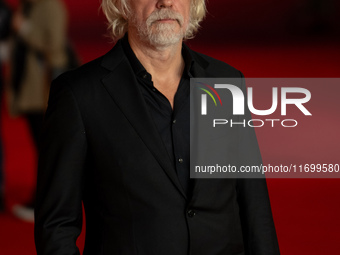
<point x="174" y="121"/>
<point x="153" y="89"/>
<point x="180" y="160"/>
<point x="191" y="213"/>
<point x="144" y="76"/>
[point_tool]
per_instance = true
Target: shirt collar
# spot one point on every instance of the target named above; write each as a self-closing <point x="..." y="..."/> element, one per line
<point x="139" y="69"/>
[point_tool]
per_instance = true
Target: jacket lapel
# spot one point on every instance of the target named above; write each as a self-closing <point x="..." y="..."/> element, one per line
<point x="122" y="86"/>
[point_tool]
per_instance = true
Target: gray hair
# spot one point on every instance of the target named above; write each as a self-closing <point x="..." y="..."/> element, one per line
<point x="117" y="11"/>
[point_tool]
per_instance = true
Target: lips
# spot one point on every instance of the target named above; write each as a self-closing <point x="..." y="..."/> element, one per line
<point x="166" y="20"/>
<point x="165" y="15"/>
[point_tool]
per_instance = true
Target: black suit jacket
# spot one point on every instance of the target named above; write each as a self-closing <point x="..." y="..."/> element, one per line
<point x="100" y="146"/>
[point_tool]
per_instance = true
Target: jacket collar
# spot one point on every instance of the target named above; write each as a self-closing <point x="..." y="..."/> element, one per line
<point x="112" y="59"/>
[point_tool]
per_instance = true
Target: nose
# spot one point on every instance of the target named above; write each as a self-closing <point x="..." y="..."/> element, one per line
<point x="164" y="4"/>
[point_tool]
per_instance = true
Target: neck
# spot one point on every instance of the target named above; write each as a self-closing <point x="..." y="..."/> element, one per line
<point x="161" y="62"/>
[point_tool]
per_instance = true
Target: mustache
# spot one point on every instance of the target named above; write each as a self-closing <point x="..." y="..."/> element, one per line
<point x="164" y="14"/>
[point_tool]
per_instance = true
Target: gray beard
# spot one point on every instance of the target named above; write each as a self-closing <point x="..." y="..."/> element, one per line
<point x="162" y="35"/>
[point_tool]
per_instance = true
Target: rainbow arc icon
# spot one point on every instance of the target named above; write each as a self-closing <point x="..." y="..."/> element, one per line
<point x="212" y="93"/>
<point x="209" y="93"/>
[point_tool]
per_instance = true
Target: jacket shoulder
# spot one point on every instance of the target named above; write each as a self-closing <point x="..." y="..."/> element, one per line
<point x="95" y="70"/>
<point x="216" y="68"/>
<point x="83" y="76"/>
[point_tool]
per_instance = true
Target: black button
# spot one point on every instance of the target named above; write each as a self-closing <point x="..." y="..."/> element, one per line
<point x="191" y="213"/>
<point x="145" y="76"/>
<point x="180" y="160"/>
<point x="153" y="89"/>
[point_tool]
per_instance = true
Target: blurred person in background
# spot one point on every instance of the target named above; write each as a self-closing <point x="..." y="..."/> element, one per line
<point x="39" y="55"/>
<point x="5" y="21"/>
<point x="116" y="137"/>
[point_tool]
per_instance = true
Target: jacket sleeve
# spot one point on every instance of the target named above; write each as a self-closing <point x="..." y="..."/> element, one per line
<point x="58" y="212"/>
<point x="254" y="206"/>
<point x="257" y="222"/>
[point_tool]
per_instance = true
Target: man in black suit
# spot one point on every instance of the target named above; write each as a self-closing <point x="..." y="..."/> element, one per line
<point x="116" y="137"/>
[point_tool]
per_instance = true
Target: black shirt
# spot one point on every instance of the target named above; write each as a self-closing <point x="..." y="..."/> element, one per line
<point x="173" y="125"/>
